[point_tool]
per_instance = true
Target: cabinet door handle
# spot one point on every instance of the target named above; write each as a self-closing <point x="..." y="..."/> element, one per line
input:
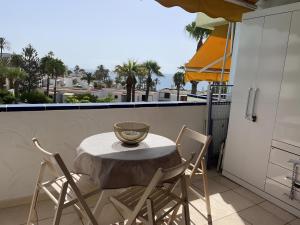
<point x="296" y="183"/>
<point x="253" y="114"/>
<point x="247" y="104"/>
<point x="294" y="161"/>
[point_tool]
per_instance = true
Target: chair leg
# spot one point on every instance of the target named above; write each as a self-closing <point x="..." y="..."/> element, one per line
<point x="84" y="204"/>
<point x="205" y="187"/>
<point x="173" y="216"/>
<point x="131" y="221"/>
<point x="99" y="205"/>
<point x="61" y="201"/>
<point x="185" y="208"/>
<point x="33" y="205"/>
<point x="151" y="217"/>
<point x="79" y="212"/>
<point x="36" y="193"/>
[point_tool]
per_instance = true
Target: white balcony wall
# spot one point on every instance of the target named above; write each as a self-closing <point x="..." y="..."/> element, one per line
<point x="62" y="131"/>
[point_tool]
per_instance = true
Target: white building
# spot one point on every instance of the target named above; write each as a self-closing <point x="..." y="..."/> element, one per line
<point x="168" y="94"/>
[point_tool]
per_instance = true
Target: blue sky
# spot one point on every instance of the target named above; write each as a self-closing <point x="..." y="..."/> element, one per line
<point x="94" y="32"/>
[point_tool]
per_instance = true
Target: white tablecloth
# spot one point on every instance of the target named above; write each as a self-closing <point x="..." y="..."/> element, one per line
<point x="111" y="164"/>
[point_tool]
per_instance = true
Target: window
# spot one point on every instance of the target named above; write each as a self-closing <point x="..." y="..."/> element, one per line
<point x="167" y="95"/>
<point x="143" y="98"/>
<point x="183" y="98"/>
<point x="123" y="98"/>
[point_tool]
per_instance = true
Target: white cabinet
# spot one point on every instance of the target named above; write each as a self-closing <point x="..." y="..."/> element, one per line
<point x="282" y="192"/>
<point x="280" y="169"/>
<point x="259" y="70"/>
<point x="287" y="127"/>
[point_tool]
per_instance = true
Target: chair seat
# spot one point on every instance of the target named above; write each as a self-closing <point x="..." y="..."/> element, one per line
<point x="83" y="182"/>
<point x="160" y="199"/>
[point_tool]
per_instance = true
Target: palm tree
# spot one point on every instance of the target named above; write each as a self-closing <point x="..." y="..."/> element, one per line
<point x="3" y="74"/>
<point x="102" y="76"/>
<point x="3" y="45"/>
<point x="198" y="34"/>
<point x="152" y="67"/>
<point x="128" y="72"/>
<point x="76" y="69"/>
<point x="44" y="68"/>
<point x="101" y="73"/>
<point x="15" y="75"/>
<point x="178" y="79"/>
<point x="56" y="68"/>
<point x="89" y="77"/>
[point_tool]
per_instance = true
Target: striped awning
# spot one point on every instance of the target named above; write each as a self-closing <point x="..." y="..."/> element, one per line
<point x="231" y="10"/>
<point x="207" y="63"/>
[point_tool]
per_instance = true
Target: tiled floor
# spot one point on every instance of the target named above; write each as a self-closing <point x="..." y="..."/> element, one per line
<point x="230" y="204"/>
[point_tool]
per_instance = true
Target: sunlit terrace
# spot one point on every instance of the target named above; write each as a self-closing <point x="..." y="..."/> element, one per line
<point x="135" y="156"/>
<point x="230" y="203"/>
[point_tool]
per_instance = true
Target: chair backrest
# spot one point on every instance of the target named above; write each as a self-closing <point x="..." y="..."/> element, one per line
<point x="174" y="172"/>
<point x="53" y="161"/>
<point x="161" y="175"/>
<point x="201" y="138"/>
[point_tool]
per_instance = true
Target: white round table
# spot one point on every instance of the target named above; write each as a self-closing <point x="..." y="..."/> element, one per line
<point x="111" y="164"/>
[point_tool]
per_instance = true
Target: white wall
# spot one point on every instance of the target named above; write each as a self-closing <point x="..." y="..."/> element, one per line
<point x="62" y="131"/>
<point x="234" y="53"/>
<point x="262" y="4"/>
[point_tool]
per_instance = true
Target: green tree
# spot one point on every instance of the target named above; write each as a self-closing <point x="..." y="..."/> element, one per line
<point x="76" y="69"/>
<point x="87" y="98"/>
<point x="35" y="97"/>
<point x="3" y="74"/>
<point x="120" y="80"/>
<point x="128" y="71"/>
<point x="152" y="68"/>
<point x="199" y="34"/>
<point x="15" y="76"/>
<point x="82" y="72"/>
<point x="89" y="77"/>
<point x="30" y="64"/>
<point x="108" y="83"/>
<point x="3" y="45"/>
<point x="102" y="76"/>
<point x="16" y="60"/>
<point x="56" y="68"/>
<point x="178" y="79"/>
<point x="44" y="69"/>
<point x="141" y="80"/>
<point x="6" y="97"/>
<point x="108" y="98"/>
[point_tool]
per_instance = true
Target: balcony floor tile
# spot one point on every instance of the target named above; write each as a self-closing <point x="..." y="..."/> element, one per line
<point x="230" y="204"/>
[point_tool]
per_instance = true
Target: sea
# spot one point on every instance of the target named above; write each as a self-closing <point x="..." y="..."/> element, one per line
<point x="167" y="82"/>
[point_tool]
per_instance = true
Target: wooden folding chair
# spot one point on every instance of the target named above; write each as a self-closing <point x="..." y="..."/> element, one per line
<point x="199" y="167"/>
<point x="64" y="188"/>
<point x="147" y="204"/>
